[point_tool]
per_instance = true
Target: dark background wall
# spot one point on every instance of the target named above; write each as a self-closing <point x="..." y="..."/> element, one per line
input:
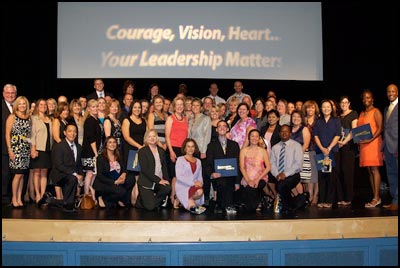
<point x="360" y="44"/>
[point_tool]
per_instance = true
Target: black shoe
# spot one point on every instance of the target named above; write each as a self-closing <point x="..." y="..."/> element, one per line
<point x="42" y="201"/>
<point x="15" y="207"/>
<point x="218" y="209"/>
<point x="69" y="208"/>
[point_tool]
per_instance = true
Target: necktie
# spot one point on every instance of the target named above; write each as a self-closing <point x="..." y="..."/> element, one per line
<point x="281" y="165"/>
<point x="101" y="94"/>
<point x="223" y="144"/>
<point x="389" y="111"/>
<point x="73" y="150"/>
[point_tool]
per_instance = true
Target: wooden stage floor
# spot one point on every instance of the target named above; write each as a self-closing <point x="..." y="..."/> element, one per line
<point x="169" y="225"/>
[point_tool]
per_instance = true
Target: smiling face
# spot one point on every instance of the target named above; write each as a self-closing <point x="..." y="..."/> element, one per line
<point x="254" y="137"/>
<point x="284" y="133"/>
<point x="9" y="93"/>
<point x="392" y="92"/>
<point x="70" y="132"/>
<point x="190" y="148"/>
<point x="367" y="99"/>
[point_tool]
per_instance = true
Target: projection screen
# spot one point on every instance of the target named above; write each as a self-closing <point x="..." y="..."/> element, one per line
<point x="254" y="40"/>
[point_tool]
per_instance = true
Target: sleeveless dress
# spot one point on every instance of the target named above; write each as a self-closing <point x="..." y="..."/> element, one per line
<point x="254" y="166"/>
<point x="371" y="154"/>
<point x="305" y="173"/>
<point x="20" y="145"/>
<point x="136" y="132"/>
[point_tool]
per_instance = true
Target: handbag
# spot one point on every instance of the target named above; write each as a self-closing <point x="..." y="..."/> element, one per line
<point x="86" y="202"/>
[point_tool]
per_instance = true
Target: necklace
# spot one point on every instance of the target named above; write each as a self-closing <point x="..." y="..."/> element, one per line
<point x="178" y="118"/>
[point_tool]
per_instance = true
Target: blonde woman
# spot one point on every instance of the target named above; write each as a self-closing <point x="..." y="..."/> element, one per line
<point x="93" y="133"/>
<point x="17" y="133"/>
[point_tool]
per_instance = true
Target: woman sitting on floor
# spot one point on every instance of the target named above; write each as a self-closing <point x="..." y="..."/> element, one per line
<point x="153" y="183"/>
<point x="189" y="178"/>
<point x="112" y="185"/>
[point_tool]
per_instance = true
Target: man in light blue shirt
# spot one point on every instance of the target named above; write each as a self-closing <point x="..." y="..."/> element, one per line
<point x="286" y="164"/>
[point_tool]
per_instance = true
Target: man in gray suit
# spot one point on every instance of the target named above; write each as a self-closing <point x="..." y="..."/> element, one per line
<point x="391" y="137"/>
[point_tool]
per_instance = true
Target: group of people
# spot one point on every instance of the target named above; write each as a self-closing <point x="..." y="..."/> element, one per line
<point x="278" y="150"/>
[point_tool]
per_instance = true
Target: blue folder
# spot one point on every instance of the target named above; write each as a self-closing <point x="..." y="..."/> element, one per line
<point x="112" y="174"/>
<point x="362" y="133"/>
<point x="226" y="166"/>
<point x="133" y="161"/>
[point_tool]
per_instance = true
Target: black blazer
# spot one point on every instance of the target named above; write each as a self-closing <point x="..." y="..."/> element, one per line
<point x="215" y="151"/>
<point x="103" y="167"/>
<point x="4" y="115"/>
<point x="148" y="166"/>
<point x="94" y="95"/>
<point x="275" y="138"/>
<point x="63" y="161"/>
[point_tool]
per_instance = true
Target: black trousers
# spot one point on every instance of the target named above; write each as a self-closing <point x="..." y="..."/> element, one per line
<point x="6" y="179"/>
<point x="251" y="197"/>
<point x="225" y="187"/>
<point x="284" y="189"/>
<point x="150" y="199"/>
<point x="69" y="186"/>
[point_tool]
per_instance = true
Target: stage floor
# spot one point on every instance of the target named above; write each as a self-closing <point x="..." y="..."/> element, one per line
<point x="356" y="210"/>
<point x="170" y="225"/>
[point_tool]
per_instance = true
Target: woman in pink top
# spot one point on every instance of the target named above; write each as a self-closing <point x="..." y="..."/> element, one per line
<point x="242" y="127"/>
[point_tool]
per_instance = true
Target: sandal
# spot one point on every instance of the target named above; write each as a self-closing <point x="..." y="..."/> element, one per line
<point x="197" y="210"/>
<point x="373" y="203"/>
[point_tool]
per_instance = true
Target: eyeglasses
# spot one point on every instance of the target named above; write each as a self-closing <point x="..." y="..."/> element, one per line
<point x="344" y="102"/>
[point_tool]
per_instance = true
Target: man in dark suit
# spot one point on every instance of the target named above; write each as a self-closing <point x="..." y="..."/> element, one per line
<point x="9" y="96"/>
<point x="100" y="92"/>
<point x="67" y="169"/>
<point x="391" y="139"/>
<point x="224" y="186"/>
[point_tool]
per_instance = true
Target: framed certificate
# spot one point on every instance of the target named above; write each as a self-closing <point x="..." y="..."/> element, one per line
<point x="133" y="161"/>
<point x="345" y="132"/>
<point x="226" y="166"/>
<point x="362" y="133"/>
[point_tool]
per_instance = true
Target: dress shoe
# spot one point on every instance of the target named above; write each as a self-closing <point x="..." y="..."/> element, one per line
<point x="218" y="209"/>
<point x="392" y="207"/>
<point x="69" y="208"/>
<point x="42" y="201"/>
<point x="16" y="207"/>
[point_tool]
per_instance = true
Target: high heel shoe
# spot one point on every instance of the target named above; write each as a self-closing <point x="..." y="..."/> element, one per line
<point x="15" y="207"/>
<point x="175" y="202"/>
<point x="101" y="202"/>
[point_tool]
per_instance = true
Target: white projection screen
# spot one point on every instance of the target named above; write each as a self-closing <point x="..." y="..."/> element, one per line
<point x="254" y="40"/>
